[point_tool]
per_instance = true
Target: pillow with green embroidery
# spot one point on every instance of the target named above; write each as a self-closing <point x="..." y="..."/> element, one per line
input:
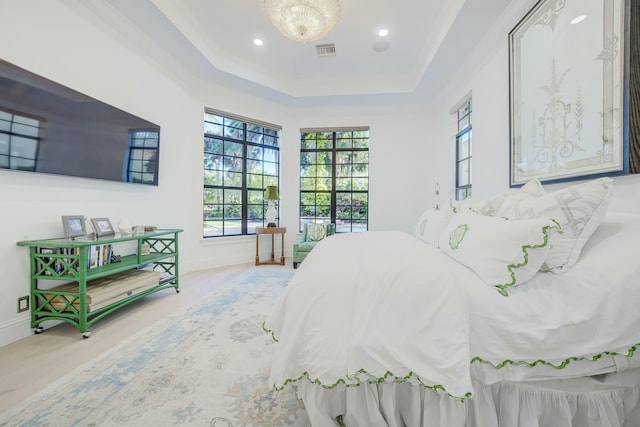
<point x="431" y="224"/>
<point x="316" y="232"/>
<point x="579" y="209"/>
<point x="504" y="253"/>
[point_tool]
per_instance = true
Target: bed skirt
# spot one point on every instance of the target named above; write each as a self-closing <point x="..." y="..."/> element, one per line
<point x="610" y="400"/>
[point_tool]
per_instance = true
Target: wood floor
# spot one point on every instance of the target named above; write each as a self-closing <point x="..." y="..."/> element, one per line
<point x="28" y="365"/>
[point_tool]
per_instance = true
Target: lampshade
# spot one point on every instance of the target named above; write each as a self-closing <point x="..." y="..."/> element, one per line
<point x="303" y="20"/>
<point x="271" y="193"/>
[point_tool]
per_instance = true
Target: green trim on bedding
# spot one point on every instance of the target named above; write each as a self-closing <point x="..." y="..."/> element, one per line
<point x="560" y="365"/>
<point x="354" y="380"/>
<point x="269" y="331"/>
<point x="525" y="250"/>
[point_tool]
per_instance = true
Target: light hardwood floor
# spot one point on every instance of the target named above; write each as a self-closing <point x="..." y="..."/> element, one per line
<point x="28" y="365"/>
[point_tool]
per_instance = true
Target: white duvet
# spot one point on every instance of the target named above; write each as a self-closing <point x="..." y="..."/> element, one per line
<point x="385" y="306"/>
<point x="375" y="306"/>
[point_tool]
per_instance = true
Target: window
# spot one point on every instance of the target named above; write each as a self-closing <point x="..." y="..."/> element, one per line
<point x="143" y="156"/>
<point x="334" y="178"/>
<point x="463" y="152"/>
<point x="18" y="141"/>
<point x="241" y="158"/>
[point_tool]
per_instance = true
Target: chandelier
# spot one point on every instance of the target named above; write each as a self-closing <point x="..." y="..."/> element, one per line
<point x="303" y="20"/>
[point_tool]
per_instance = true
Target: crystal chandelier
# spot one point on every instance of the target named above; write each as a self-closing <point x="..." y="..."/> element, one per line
<point x="303" y="20"/>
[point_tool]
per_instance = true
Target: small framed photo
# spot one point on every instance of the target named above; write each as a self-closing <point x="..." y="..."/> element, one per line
<point x="102" y="226"/>
<point x="74" y="225"/>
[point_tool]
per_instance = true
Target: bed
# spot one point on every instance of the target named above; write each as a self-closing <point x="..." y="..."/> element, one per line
<point x="520" y="310"/>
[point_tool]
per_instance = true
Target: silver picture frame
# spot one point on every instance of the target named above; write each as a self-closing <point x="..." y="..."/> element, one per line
<point x="74" y="226"/>
<point x="567" y="87"/>
<point x="102" y="226"/>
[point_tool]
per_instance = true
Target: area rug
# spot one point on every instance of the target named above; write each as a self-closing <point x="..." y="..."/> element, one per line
<point x="204" y="366"/>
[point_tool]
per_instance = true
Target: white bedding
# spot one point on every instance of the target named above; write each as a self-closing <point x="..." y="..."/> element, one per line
<point x="388" y="307"/>
<point x="381" y="306"/>
<point x="582" y="313"/>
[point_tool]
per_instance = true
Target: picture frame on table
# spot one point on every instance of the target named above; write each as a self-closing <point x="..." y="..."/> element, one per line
<point x="102" y="226"/>
<point x="74" y="226"/>
<point x="567" y="104"/>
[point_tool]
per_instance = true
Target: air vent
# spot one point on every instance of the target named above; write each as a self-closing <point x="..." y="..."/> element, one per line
<point x="325" y="50"/>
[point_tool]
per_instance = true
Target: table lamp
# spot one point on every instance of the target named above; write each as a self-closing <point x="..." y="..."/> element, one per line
<point x="271" y="194"/>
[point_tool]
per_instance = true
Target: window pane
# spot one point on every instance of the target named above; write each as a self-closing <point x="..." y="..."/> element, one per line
<point x="464" y="149"/>
<point x="463" y="146"/>
<point x="235" y="174"/>
<point x="463" y="173"/>
<point x="351" y="172"/>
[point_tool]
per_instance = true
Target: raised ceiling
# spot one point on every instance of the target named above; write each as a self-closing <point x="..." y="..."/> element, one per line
<point x="427" y="40"/>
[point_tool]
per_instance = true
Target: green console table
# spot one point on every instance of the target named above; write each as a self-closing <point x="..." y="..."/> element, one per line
<point x="152" y="268"/>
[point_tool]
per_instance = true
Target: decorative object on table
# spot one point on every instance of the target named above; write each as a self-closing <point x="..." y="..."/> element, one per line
<point x="271" y="194"/>
<point x="303" y="20"/>
<point x="567" y="105"/>
<point x="150" y="228"/>
<point x="74" y="225"/>
<point x="124" y="226"/>
<point x="138" y="229"/>
<point x="102" y="226"/>
<point x="311" y="235"/>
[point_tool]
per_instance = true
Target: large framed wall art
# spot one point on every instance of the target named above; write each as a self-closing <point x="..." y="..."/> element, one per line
<point x="568" y="91"/>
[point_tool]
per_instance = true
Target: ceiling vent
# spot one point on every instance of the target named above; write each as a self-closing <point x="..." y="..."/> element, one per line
<point x="325" y="50"/>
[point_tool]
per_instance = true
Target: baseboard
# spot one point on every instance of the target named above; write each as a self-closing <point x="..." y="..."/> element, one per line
<point x="15" y="329"/>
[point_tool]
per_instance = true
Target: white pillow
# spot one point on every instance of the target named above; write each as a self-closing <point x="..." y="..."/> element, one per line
<point x="504" y="253"/>
<point x="431" y="224"/>
<point x="579" y="210"/>
<point x="531" y="189"/>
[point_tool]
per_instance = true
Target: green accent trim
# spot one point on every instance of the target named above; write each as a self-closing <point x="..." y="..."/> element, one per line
<point x="562" y="364"/>
<point x="456" y="236"/>
<point x="269" y="331"/>
<point x="525" y="250"/>
<point x="354" y="380"/>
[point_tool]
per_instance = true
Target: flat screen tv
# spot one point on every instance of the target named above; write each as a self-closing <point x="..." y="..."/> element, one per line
<point x="49" y="128"/>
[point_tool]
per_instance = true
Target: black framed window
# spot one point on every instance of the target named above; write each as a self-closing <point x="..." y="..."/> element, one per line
<point x="334" y="178"/>
<point x="241" y="158"/>
<point x="143" y="156"/>
<point x="463" y="152"/>
<point x="19" y="141"/>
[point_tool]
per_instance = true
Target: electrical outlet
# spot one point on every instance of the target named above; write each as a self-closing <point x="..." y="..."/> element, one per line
<point x="23" y="303"/>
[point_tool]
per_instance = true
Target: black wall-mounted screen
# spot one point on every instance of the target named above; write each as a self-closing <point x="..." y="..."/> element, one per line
<point x="49" y="128"/>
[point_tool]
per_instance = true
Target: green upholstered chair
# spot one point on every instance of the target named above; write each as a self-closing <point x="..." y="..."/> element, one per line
<point x="308" y="239"/>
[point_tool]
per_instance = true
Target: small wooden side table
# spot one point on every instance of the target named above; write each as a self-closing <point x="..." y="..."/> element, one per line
<point x="273" y="231"/>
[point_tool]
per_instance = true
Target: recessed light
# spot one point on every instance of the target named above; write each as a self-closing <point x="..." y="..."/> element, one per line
<point x="383" y="32"/>
<point x="578" y="19"/>
<point x="258" y="42"/>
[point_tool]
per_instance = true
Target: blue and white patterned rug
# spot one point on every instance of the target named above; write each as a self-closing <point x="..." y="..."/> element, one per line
<point x="204" y="366"/>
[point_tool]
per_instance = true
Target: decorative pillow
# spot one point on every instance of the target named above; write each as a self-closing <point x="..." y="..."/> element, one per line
<point x="316" y="232"/>
<point x="431" y="225"/>
<point x="504" y="253"/>
<point x="578" y="209"/>
<point x="531" y="189"/>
